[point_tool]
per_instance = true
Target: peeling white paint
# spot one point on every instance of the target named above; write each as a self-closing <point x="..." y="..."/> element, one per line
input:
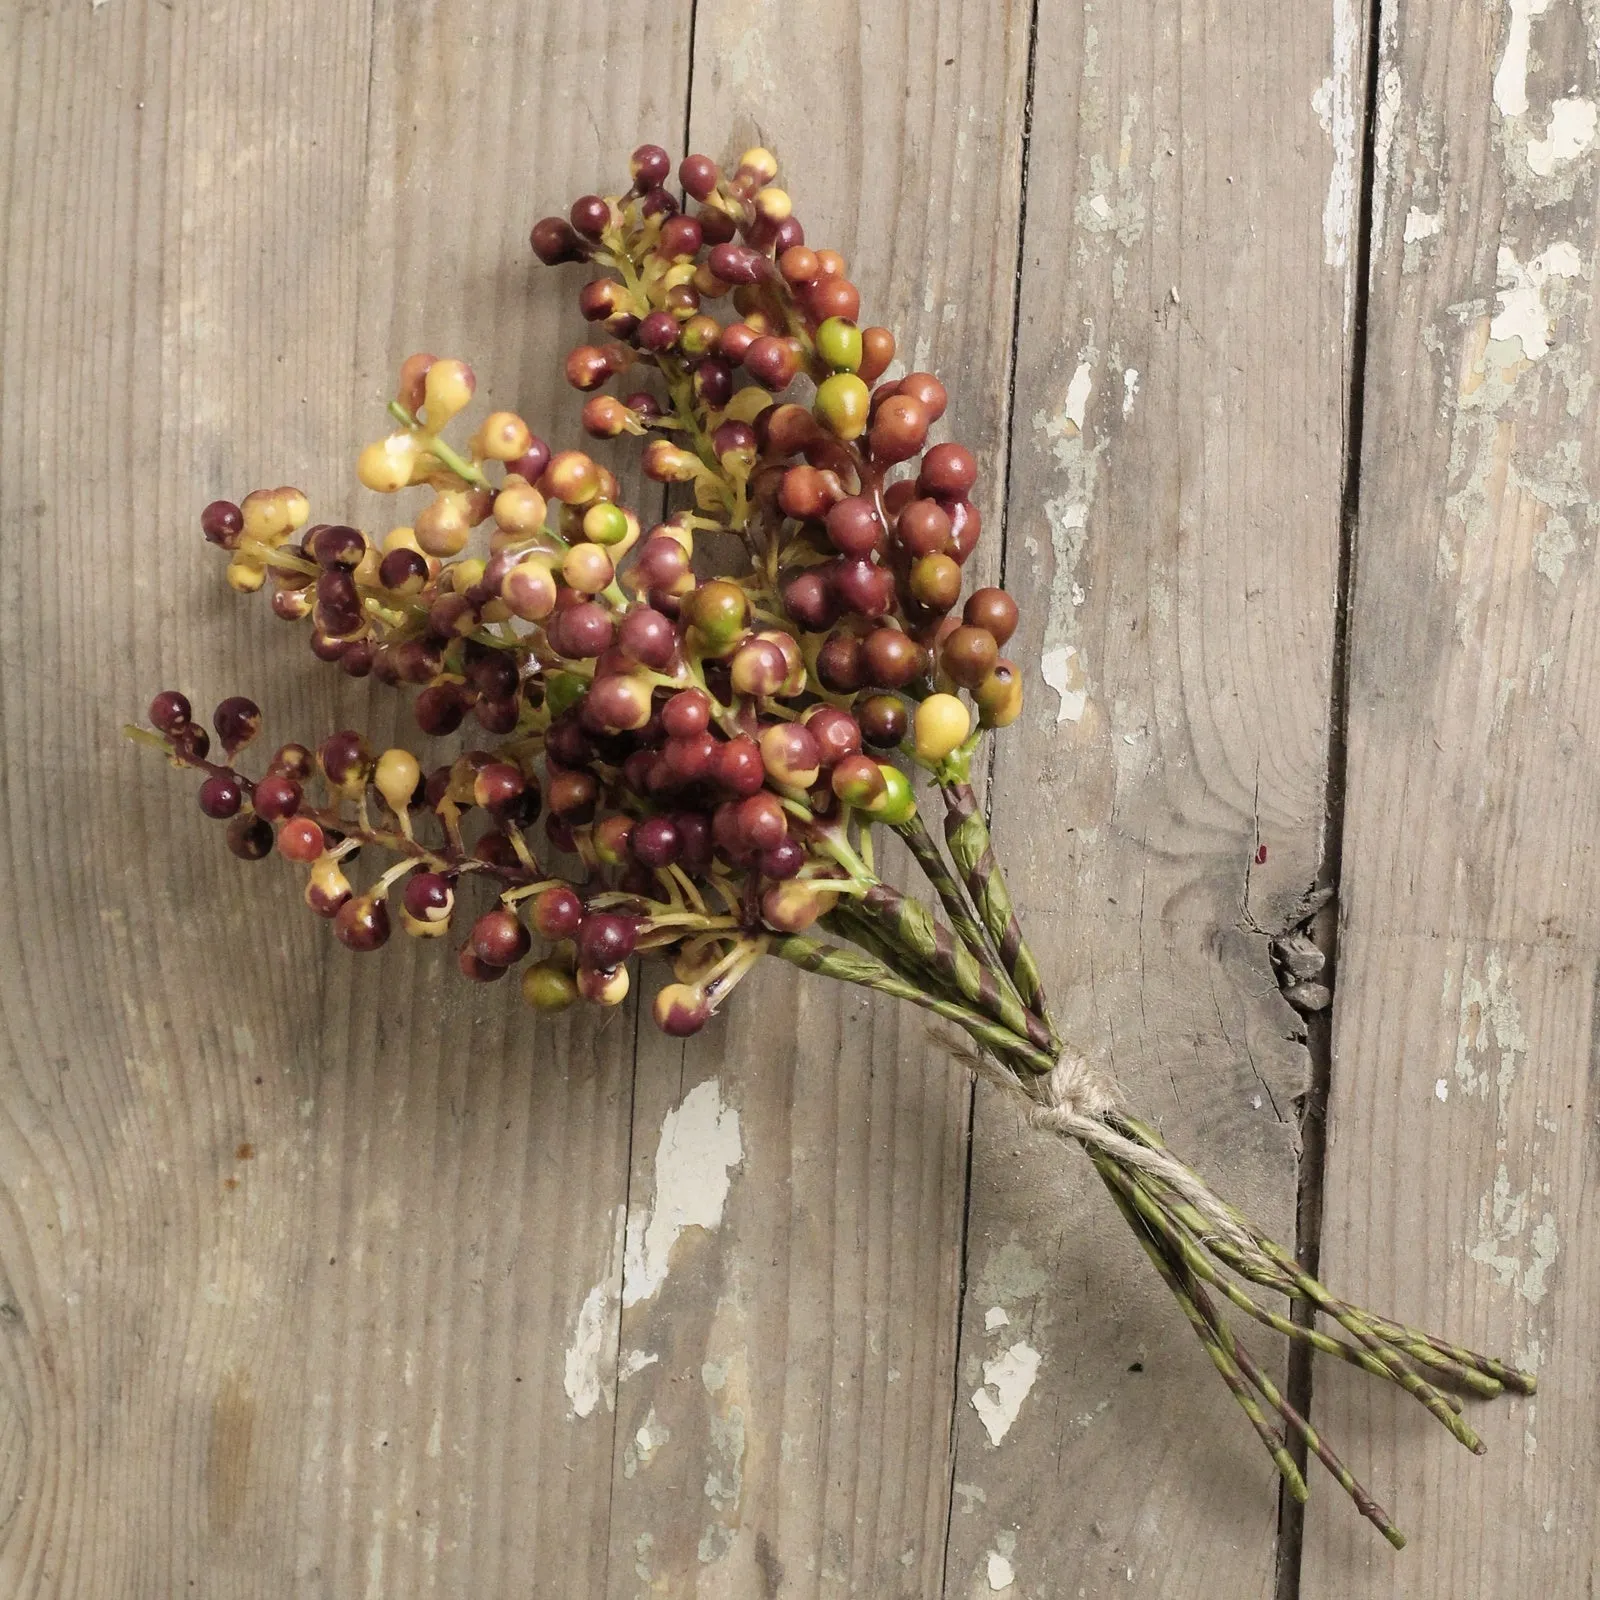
<point x="634" y="1362"/>
<point x="1422" y="224"/>
<point x="697" y="1152"/>
<point x="1503" y="1219"/>
<point x="1511" y="77"/>
<point x="1522" y="314"/>
<point x="1552" y="544"/>
<point x="1078" y="392"/>
<point x="1389" y="97"/>
<point x="584" y="1355"/>
<point x="1001" y="1573"/>
<point x="1441" y="1089"/>
<point x="592" y="1352"/>
<point x="1100" y="206"/>
<point x="995" y="1317"/>
<point x="1335" y="104"/>
<point x="1489" y="1019"/>
<point x="1063" y="671"/>
<point x="1572" y="130"/>
<point x="1130" y="389"/>
<point x="1010" y="1375"/>
<point x="641" y="1450"/>
<point x="1068" y="516"/>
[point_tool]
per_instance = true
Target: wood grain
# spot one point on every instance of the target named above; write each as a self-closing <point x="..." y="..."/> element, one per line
<point x="159" y="1011"/>
<point x="335" y="1367"/>
<point x="1180" y="388"/>
<point x="329" y="1278"/>
<point x="1462" y="1143"/>
<point x="807" y="1347"/>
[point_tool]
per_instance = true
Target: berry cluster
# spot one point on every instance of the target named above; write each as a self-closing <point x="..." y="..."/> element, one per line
<point x="709" y="753"/>
<point x="677" y="750"/>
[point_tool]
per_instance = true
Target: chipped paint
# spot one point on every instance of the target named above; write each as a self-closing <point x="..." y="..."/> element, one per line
<point x="1335" y="103"/>
<point x="1422" y="224"/>
<point x="1130" y="389"/>
<point x="634" y="1362"/>
<point x="1001" y="1573"/>
<point x="647" y="1440"/>
<point x="1390" y="93"/>
<point x="591" y="1355"/>
<point x="1010" y="1376"/>
<point x="585" y="1355"/>
<point x="995" y="1317"/>
<point x="1441" y="1089"/>
<point x="1571" y="132"/>
<point x="1503" y="1219"/>
<point x="1078" y="392"/>
<point x="1522" y="315"/>
<point x="1067" y="514"/>
<point x="1552" y="544"/>
<point x="695" y="1156"/>
<point x="1511" y="77"/>
<point x="1489" y="1020"/>
<point x="1062" y="669"/>
<point x="971" y="1496"/>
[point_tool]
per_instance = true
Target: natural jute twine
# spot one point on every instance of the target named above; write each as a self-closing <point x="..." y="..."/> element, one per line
<point x="1074" y="1101"/>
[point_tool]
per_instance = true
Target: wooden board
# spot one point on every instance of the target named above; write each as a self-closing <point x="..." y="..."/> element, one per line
<point x="1176" y="464"/>
<point x="793" y="1437"/>
<point x="1462" y="1145"/>
<point x="328" y="1278"/>
<point x="290" y="1246"/>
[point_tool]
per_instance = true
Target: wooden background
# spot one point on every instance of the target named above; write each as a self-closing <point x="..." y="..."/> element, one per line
<point x="1273" y="325"/>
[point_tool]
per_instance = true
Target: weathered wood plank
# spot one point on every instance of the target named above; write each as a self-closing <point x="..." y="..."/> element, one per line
<point x="793" y="1437"/>
<point x="345" y="1374"/>
<point x="1174" y="508"/>
<point x="1461" y="1183"/>
<point x="471" y="1160"/>
<point x="160" y="1003"/>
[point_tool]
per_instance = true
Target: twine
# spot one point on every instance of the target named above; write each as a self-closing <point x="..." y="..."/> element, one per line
<point x="1075" y="1101"/>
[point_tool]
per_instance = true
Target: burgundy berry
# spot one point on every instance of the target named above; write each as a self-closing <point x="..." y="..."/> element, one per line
<point x="654" y="842"/>
<point x="169" y="711"/>
<point x="362" y="923"/>
<point x="606" y="940"/>
<point x="222" y="522"/>
<point x="277" y="797"/>
<point x="221" y="796"/>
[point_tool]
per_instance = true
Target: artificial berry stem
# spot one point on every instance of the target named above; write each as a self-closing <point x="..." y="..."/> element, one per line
<point x="710" y="734"/>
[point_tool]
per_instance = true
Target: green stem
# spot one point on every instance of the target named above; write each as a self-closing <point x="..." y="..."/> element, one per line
<point x="972" y="850"/>
<point x="951" y="895"/>
<point x="856" y="966"/>
<point x="910" y="923"/>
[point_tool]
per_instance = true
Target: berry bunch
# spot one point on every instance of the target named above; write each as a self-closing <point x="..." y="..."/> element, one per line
<point x="677" y="750"/>
<point x="709" y="753"/>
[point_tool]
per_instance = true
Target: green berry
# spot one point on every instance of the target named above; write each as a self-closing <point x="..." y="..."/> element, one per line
<point x="839" y="344"/>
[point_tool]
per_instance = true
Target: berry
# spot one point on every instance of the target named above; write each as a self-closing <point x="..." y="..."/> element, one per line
<point x="362" y="923"/>
<point x="300" y="839"/>
<point x="968" y="656"/>
<point x="546" y="987"/>
<point x="841" y="405"/>
<point x="221" y="796"/>
<point x="557" y="912"/>
<point x="222" y="523"/>
<point x="994" y="611"/>
<point x="499" y="938"/>
<point x="169" y="711"/>
<point x="428" y="901"/>
<point x="948" y="469"/>
<point x="606" y="939"/>
<point x="942" y="724"/>
<point x="680" y="1009"/>
<point x="250" y="838"/>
